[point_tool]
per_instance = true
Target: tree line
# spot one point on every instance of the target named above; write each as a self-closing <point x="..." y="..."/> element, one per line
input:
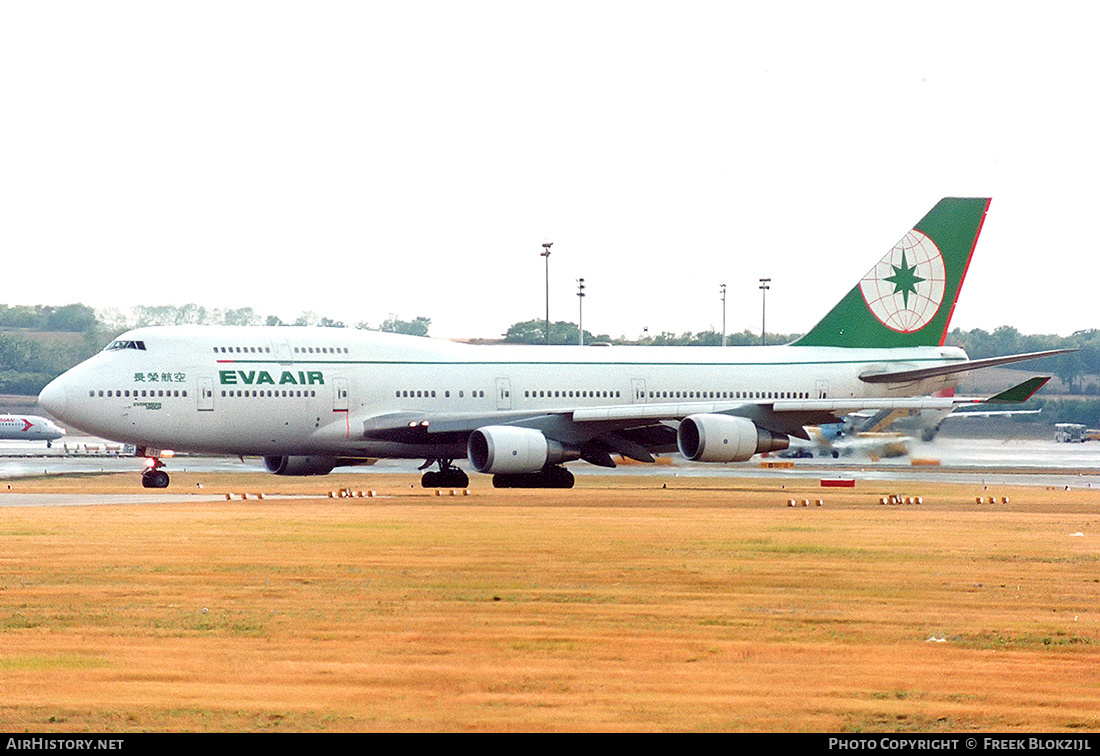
<point x="39" y="342"/>
<point x="1079" y="371"/>
<point x="564" y="332"/>
<point x="115" y="321"/>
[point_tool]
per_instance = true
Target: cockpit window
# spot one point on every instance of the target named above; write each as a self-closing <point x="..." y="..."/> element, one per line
<point x="122" y="344"/>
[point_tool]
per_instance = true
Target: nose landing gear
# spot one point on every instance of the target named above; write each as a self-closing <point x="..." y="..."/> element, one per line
<point x="154" y="477"/>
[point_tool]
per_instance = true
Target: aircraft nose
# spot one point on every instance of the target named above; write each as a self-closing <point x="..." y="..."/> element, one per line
<point x="54" y="397"/>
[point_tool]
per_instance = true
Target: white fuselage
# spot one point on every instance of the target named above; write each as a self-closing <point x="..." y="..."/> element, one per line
<point x="285" y="390"/>
<point x="28" y="428"/>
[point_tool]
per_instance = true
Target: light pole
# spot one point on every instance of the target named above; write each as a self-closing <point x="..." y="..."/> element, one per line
<point x="546" y="254"/>
<point x="723" y="289"/>
<point x="763" y="308"/>
<point x="580" y="311"/>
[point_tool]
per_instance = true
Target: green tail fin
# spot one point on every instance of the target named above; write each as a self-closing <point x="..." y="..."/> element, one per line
<point x="907" y="299"/>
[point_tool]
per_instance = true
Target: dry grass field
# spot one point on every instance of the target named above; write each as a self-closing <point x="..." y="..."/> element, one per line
<point x="709" y="605"/>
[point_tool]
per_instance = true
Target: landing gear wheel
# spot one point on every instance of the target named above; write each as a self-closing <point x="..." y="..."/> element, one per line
<point x="448" y="476"/>
<point x="454" y="478"/>
<point x="154" y="479"/>
<point x="549" y="477"/>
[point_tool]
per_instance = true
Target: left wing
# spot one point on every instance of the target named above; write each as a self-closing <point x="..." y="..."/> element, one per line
<point x="637" y="431"/>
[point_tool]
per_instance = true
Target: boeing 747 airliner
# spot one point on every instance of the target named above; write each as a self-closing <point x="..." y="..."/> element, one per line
<point x="310" y="399"/>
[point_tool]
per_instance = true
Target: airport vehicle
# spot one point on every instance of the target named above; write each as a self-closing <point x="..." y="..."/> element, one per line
<point x="310" y="399"/>
<point x="29" y="428"/>
<point x="1070" y="433"/>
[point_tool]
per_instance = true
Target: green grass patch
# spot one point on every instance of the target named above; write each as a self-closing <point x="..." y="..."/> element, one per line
<point x="60" y="661"/>
<point x="997" y="640"/>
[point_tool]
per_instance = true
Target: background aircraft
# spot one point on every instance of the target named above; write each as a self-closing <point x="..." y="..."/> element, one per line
<point x="924" y="423"/>
<point x="29" y="428"/>
<point x="842" y="440"/>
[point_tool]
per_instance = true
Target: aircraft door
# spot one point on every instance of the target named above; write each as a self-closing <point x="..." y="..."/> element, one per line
<point x="504" y="394"/>
<point x="282" y="351"/>
<point x="205" y="395"/>
<point x="637" y="390"/>
<point x="822" y="389"/>
<point x="340" y="395"/>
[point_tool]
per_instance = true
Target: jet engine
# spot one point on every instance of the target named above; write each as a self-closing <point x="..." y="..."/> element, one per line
<point x="724" y="438"/>
<point x="300" y="465"/>
<point x="510" y="449"/>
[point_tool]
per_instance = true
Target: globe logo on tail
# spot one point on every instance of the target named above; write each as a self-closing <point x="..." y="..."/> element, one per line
<point x="905" y="289"/>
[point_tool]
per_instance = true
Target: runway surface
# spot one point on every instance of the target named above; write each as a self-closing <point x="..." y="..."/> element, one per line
<point x="1027" y="462"/>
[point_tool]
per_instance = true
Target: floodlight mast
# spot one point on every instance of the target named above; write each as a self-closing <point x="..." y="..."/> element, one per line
<point x="722" y="288"/>
<point x="763" y="308"/>
<point x="580" y="311"/>
<point x="546" y="255"/>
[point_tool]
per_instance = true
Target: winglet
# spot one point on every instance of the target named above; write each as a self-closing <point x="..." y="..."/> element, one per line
<point x="908" y="298"/>
<point x="1019" y="393"/>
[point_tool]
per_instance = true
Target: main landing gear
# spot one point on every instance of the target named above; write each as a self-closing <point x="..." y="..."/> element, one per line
<point x="448" y="475"/>
<point x="154" y="477"/>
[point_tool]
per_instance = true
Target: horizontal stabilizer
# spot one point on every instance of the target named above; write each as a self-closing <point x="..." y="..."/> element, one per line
<point x="1019" y="393"/>
<point x="919" y="374"/>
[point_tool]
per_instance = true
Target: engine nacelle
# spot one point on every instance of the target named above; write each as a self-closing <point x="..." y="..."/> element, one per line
<point x="509" y="449"/>
<point x="724" y="438"/>
<point x="300" y="465"/>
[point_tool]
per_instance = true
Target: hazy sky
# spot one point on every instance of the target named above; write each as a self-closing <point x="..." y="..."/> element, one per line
<point x="358" y="159"/>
